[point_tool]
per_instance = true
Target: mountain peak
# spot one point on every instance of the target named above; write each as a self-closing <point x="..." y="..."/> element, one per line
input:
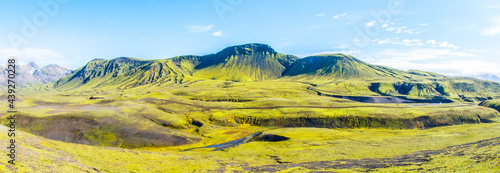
<point x="97" y="59"/>
<point x="253" y="45"/>
<point x="245" y="62"/>
<point x="55" y="66"/>
<point x="126" y="59"/>
<point x="334" y="65"/>
<point x="250" y="48"/>
<point x="33" y="65"/>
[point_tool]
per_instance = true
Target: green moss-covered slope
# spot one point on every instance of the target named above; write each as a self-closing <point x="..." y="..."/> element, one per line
<point x="332" y="73"/>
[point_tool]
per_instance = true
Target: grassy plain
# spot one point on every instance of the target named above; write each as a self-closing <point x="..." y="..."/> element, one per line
<point x="306" y="147"/>
<point x="146" y="128"/>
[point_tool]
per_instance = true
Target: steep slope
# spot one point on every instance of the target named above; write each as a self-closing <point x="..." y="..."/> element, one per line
<point x="159" y="71"/>
<point x="339" y="66"/>
<point x="99" y="71"/>
<point x="31" y="74"/>
<point x="123" y="72"/>
<point x="495" y="104"/>
<point x="247" y="62"/>
<point x="454" y="88"/>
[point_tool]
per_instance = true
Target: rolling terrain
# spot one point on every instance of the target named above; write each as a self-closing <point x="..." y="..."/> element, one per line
<point x="332" y="112"/>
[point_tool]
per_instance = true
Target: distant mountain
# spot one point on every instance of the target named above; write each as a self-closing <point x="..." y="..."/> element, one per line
<point x="258" y="62"/>
<point x="31" y="74"/>
<point x="489" y="77"/>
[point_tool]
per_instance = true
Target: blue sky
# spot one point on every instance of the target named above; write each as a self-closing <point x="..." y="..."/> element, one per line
<point x="457" y="38"/>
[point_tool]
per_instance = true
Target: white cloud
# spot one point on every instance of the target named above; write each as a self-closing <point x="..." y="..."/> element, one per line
<point x="452" y="46"/>
<point x="396" y="41"/>
<point x="441" y="44"/>
<point x="39" y="56"/>
<point x="423" y="24"/>
<point x="463" y="54"/>
<point x="452" y="68"/>
<point x="475" y="50"/>
<point x="493" y="30"/>
<point x="409" y="31"/>
<point x="342" y="49"/>
<point x="320" y="15"/>
<point x="385" y="41"/>
<point x="218" y="33"/>
<point x="431" y="42"/>
<point x="345" y="52"/>
<point x="370" y="23"/>
<point x="435" y="60"/>
<point x="339" y="15"/>
<point x="400" y="29"/>
<point x="390" y="29"/>
<point x="199" y="28"/>
<point x="398" y="55"/>
<point x="415" y="42"/>
<point x="446" y="44"/>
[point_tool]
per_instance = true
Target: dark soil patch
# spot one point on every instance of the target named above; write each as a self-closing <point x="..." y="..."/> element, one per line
<point x="385" y="99"/>
<point x="197" y="123"/>
<point x="92" y="98"/>
<point x="45" y="103"/>
<point x="270" y="138"/>
<point x="104" y="131"/>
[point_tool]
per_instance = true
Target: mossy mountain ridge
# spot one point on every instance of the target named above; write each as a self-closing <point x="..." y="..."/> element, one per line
<point x="260" y="62"/>
<point x="239" y="63"/>
<point x="123" y="72"/>
<point x="338" y="66"/>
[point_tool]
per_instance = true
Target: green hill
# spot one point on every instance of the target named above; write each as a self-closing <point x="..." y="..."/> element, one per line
<point x="123" y="72"/>
<point x="247" y="62"/>
<point x="340" y="66"/>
